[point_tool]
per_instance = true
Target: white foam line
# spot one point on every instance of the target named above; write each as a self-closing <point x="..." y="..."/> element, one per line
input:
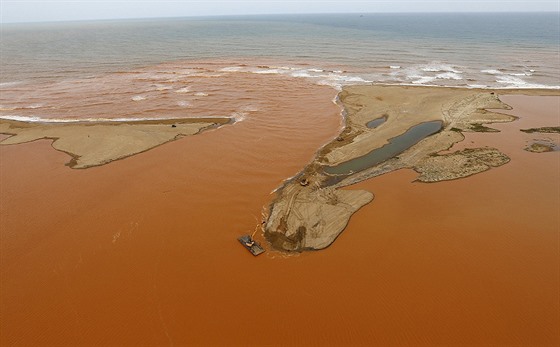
<point x="492" y="72"/>
<point x="183" y="90"/>
<point x="9" y="84"/>
<point x="35" y="119"/>
<point x="469" y="86"/>
<point x="239" y="116"/>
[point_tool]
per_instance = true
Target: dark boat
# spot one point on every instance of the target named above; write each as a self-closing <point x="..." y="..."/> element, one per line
<point x="251" y="245"/>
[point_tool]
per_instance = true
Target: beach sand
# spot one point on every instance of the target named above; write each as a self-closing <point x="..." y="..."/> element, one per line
<point x="144" y="250"/>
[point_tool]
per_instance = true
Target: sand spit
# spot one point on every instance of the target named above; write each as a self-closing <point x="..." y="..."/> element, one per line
<point x="98" y="143"/>
<point x="311" y="210"/>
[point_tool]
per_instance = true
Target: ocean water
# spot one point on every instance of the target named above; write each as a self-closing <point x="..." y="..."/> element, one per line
<point x="495" y="50"/>
<point x="77" y="69"/>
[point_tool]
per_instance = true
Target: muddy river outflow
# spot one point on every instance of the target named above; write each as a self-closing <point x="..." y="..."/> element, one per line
<point x="144" y="250"/>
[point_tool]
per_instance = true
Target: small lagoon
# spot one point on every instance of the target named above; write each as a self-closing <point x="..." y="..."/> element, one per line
<point x="395" y="146"/>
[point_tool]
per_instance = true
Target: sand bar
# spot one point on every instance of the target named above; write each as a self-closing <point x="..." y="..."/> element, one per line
<point x="302" y="216"/>
<point x="97" y="143"/>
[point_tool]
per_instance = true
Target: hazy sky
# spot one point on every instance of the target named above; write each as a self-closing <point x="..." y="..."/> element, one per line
<point x="47" y="10"/>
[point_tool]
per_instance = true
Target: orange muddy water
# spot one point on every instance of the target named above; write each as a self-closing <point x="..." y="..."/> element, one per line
<point x="143" y="251"/>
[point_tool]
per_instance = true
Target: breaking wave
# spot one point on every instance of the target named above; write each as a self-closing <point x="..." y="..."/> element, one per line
<point x="37" y="119"/>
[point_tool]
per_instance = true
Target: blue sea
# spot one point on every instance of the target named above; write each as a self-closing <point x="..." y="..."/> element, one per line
<point x="482" y="50"/>
<point x="494" y="50"/>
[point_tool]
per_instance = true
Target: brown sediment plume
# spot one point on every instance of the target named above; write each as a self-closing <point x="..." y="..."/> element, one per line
<point x="300" y="217"/>
<point x="97" y="143"/>
<point x="462" y="262"/>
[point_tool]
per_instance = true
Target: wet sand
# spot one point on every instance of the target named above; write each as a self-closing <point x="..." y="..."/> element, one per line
<point x="134" y="252"/>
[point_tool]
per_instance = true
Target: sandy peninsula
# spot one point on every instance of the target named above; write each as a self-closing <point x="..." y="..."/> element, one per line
<point x="101" y="142"/>
<point x="311" y="210"/>
<point x="387" y="128"/>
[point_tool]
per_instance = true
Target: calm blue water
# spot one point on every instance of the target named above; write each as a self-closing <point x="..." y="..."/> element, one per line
<point x="477" y="50"/>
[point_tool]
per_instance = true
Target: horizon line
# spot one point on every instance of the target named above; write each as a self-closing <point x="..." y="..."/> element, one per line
<point x="271" y="14"/>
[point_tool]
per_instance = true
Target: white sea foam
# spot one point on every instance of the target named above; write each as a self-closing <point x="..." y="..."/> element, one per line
<point x="138" y="98"/>
<point x="301" y="73"/>
<point x="337" y="81"/>
<point x="38" y="119"/>
<point x="423" y="80"/>
<point x="521" y="74"/>
<point x="506" y="79"/>
<point x="478" y="86"/>
<point x="394" y="67"/>
<point x="183" y="90"/>
<point x="266" y="72"/>
<point x="516" y="82"/>
<point x="491" y="72"/>
<point x="231" y="69"/>
<point x="354" y="79"/>
<point x="200" y="94"/>
<point x="336" y="85"/>
<point x="316" y="70"/>
<point x="239" y="116"/>
<point x="449" y="76"/>
<point x="9" y="84"/>
<point x="439" y="67"/>
<point x="184" y="103"/>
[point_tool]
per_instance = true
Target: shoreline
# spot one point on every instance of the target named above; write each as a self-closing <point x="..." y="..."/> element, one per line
<point x="307" y="211"/>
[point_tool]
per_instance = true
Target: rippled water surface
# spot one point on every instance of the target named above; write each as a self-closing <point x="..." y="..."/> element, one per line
<point x="497" y="50"/>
